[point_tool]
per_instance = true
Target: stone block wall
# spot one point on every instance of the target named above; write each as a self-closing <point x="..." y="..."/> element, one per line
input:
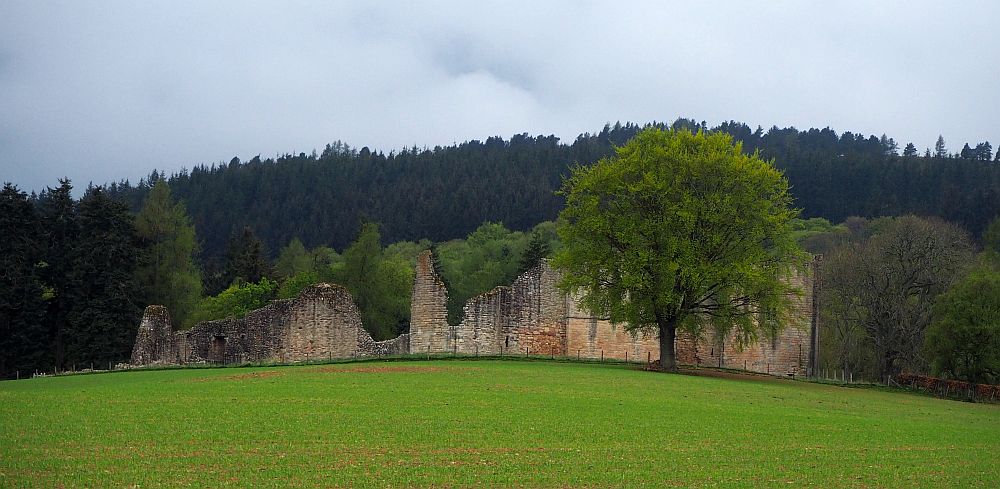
<point x="323" y="322"/>
<point x="788" y="353"/>
<point x="537" y="313"/>
<point x="531" y="315"/>
<point x="429" y="329"/>
<point x="154" y="343"/>
<point x="485" y="320"/>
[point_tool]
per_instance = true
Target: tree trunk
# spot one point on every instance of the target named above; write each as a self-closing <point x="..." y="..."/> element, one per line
<point x="668" y="331"/>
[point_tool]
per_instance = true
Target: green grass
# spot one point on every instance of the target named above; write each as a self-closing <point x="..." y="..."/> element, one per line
<point x="488" y="423"/>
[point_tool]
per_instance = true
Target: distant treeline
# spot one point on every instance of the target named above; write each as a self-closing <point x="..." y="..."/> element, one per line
<point x="447" y="192"/>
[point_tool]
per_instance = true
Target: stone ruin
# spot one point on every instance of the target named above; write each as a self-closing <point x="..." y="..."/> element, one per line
<point x="321" y="323"/>
<point x="529" y="317"/>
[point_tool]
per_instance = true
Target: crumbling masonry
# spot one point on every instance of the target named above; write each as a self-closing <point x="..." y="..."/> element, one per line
<point x="531" y="316"/>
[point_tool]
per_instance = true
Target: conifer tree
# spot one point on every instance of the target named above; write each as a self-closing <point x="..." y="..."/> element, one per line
<point x="57" y="213"/>
<point x="23" y="337"/>
<point x="245" y="258"/>
<point x="105" y="311"/>
<point x="166" y="273"/>
<point x="538" y="248"/>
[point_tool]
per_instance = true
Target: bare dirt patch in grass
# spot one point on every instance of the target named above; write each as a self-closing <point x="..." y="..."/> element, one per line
<point x="247" y="376"/>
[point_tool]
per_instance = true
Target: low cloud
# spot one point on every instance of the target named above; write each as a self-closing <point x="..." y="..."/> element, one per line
<point x="110" y="90"/>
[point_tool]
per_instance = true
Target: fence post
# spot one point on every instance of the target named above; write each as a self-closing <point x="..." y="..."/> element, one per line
<point x="626" y="356"/>
<point x="649" y="356"/>
<point x="602" y="355"/>
<point x="525" y="352"/>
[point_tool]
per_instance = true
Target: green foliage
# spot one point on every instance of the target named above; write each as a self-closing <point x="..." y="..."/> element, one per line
<point x="490" y="256"/>
<point x="817" y="235"/>
<point x="444" y="193"/>
<point x="293" y="285"/>
<point x="236" y="301"/>
<point x="879" y="288"/>
<point x="381" y="285"/>
<point x="166" y="273"/>
<point x="963" y="341"/>
<point x="991" y="237"/>
<point x="60" y="233"/>
<point x="23" y="333"/>
<point x="292" y="260"/>
<point x="680" y="229"/>
<point x="538" y="249"/>
<point x="245" y="258"/>
<point x="407" y="250"/>
<point x="103" y="316"/>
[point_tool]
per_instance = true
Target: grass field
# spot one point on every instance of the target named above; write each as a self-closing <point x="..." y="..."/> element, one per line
<point x="488" y="423"/>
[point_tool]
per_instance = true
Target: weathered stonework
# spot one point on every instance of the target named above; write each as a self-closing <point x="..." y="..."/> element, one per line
<point x="429" y="329"/>
<point x="531" y="316"/>
<point x="154" y="343"/>
<point x="321" y="323"/>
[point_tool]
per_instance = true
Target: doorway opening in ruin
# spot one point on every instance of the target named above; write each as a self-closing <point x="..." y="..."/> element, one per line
<point x="218" y="351"/>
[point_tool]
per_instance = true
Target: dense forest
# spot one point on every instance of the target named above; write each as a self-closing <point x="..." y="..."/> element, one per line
<point x="447" y="192"/>
<point x="222" y="240"/>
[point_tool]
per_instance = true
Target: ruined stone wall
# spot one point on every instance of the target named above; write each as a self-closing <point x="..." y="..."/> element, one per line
<point x="429" y="329"/>
<point x="788" y="353"/>
<point x="537" y="313"/>
<point x="154" y="343"/>
<point x="527" y="316"/>
<point x="321" y="323"/>
<point x="531" y="315"/>
<point x="484" y="321"/>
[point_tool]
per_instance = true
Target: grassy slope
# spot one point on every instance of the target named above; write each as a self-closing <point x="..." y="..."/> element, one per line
<point x="488" y="422"/>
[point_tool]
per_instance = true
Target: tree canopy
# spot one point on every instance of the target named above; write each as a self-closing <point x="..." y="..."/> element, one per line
<point x="963" y="341"/>
<point x="167" y="269"/>
<point x="880" y="287"/>
<point x="680" y="229"/>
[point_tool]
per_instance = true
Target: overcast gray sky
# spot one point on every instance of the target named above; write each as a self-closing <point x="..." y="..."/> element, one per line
<point x="100" y="90"/>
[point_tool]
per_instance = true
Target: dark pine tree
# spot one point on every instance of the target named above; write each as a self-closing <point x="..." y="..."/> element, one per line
<point x="24" y="340"/>
<point x="246" y="259"/>
<point x="103" y="317"/>
<point x="537" y="249"/>
<point x="57" y="212"/>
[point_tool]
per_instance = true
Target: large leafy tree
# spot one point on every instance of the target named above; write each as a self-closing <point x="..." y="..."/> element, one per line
<point x="963" y="341"/>
<point x="680" y="230"/>
<point x="885" y="282"/>
<point x="167" y="272"/>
